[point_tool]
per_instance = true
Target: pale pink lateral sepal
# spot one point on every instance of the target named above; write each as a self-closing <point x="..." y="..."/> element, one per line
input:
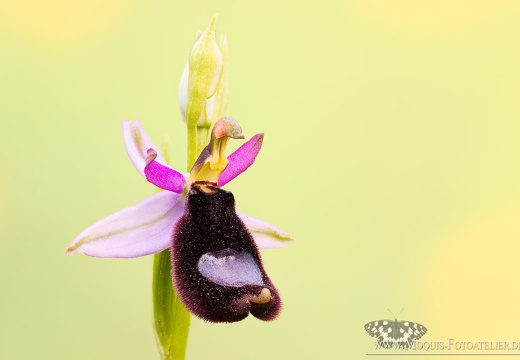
<point x="241" y="159"/>
<point x="162" y="176"/>
<point x="143" y="229"/>
<point x="266" y="236"/>
<point x="137" y="143"/>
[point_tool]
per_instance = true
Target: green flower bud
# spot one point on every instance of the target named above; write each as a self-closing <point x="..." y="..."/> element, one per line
<point x="203" y="85"/>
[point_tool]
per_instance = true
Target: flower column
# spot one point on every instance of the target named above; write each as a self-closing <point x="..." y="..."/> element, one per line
<point x="202" y="100"/>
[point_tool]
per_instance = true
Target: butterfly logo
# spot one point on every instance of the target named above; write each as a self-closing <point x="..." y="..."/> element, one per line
<point x="397" y="334"/>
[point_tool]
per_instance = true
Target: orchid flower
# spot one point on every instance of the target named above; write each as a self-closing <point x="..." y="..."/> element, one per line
<point x="206" y="253"/>
<point x="216" y="267"/>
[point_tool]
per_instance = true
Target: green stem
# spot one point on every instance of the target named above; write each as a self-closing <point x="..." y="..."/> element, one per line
<point x="198" y="138"/>
<point x="202" y="139"/>
<point x="171" y="318"/>
<point x="192" y="146"/>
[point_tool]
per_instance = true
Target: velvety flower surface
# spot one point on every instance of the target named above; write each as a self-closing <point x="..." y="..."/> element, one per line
<point x="216" y="264"/>
<point x="213" y="249"/>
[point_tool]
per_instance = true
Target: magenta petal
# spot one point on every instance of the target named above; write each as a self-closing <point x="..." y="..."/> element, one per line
<point x="162" y="176"/>
<point x="137" y="143"/>
<point x="143" y="229"/>
<point x="241" y="159"/>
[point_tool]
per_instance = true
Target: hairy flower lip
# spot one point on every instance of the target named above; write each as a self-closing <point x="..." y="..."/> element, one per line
<point x="216" y="265"/>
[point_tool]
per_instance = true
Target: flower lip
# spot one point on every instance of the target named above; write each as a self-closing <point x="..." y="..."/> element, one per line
<point x="210" y="245"/>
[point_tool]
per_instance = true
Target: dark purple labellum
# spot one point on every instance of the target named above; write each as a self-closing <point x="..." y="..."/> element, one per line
<point x="216" y="266"/>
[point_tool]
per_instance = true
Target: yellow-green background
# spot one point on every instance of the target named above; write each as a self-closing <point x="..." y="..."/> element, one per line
<point x="391" y="155"/>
